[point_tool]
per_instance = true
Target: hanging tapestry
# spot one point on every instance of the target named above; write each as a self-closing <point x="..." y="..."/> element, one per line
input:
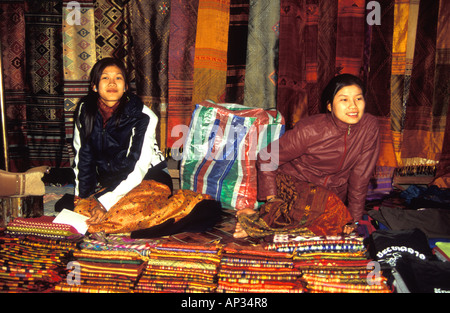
<point x="262" y="54"/>
<point x="183" y="25"/>
<point x="350" y="36"/>
<point x="237" y="47"/>
<point x="417" y="146"/>
<point x="211" y="43"/>
<point x="399" y="43"/>
<point x="442" y="93"/>
<point x="111" y="30"/>
<point x="291" y="96"/>
<point x="45" y="102"/>
<point x="79" y="56"/>
<point x="378" y="100"/>
<point x="150" y="23"/>
<point x="12" y="32"/>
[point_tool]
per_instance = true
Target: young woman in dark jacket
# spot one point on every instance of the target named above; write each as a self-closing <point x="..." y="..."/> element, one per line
<point x="118" y="161"/>
<point x="114" y="140"/>
<point x="335" y="152"/>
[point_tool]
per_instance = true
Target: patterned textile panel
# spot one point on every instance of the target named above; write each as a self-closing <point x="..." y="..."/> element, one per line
<point x="211" y="43"/>
<point x="151" y="57"/>
<point x="180" y="73"/>
<point x="79" y="56"/>
<point x="237" y="47"/>
<point x="262" y="43"/>
<point x="45" y="104"/>
<point x="418" y="145"/>
<point x="13" y="60"/>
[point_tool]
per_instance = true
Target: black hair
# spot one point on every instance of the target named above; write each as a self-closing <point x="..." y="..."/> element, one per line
<point x="337" y="83"/>
<point x="91" y="99"/>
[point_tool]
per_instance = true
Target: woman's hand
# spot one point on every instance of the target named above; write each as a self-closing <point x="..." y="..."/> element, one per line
<point x="97" y="215"/>
<point x="350" y="228"/>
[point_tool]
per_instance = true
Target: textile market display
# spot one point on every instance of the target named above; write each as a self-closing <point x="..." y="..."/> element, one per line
<point x="255" y="269"/>
<point x="291" y="49"/>
<point x="181" y="268"/>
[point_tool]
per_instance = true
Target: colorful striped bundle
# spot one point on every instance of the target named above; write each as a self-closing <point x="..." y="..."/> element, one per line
<point x="103" y="272"/>
<point x="32" y="264"/>
<point x="179" y="268"/>
<point x="334" y="265"/>
<point x="42" y="226"/>
<point x="119" y="243"/>
<point x="318" y="244"/>
<point x="254" y="269"/>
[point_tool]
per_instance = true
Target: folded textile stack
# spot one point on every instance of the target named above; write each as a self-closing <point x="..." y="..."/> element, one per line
<point x="103" y="272"/>
<point x="32" y="264"/>
<point x="174" y="267"/>
<point x="119" y="243"/>
<point x="42" y="226"/>
<point x="255" y="269"/>
<point x="334" y="265"/>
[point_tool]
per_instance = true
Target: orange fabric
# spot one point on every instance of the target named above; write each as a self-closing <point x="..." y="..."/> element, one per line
<point x="147" y="205"/>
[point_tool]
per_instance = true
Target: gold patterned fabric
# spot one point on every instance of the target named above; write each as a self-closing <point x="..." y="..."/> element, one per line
<point x="147" y="205"/>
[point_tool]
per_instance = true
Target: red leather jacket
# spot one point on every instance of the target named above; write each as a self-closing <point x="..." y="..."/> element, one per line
<point x="325" y="151"/>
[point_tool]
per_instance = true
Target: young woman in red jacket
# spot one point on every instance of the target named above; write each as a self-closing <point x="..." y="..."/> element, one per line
<point x="324" y="165"/>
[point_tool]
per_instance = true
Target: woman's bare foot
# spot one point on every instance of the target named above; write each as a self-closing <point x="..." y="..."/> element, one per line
<point x="239" y="232"/>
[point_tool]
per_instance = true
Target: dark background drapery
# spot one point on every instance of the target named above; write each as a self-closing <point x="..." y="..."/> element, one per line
<point x="259" y="53"/>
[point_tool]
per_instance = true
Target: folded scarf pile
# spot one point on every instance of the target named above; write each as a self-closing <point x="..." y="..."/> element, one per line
<point x="253" y="269"/>
<point x="33" y="264"/>
<point x="104" y="272"/>
<point x="42" y="226"/>
<point x="334" y="265"/>
<point x="119" y="243"/>
<point x="179" y="268"/>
